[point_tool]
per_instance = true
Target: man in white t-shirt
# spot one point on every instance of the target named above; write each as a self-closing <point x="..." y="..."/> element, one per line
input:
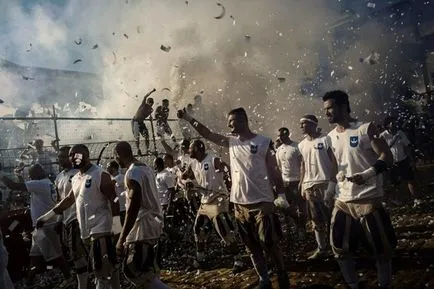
<point x="403" y="163"/>
<point x="143" y="222"/>
<point x="317" y="180"/>
<point x="288" y="159"/>
<point x="118" y="180"/>
<point x="213" y="213"/>
<point x="94" y="196"/>
<point x="72" y="239"/>
<point x="165" y="184"/>
<point x="254" y="172"/>
<point x="46" y="246"/>
<point x="358" y="214"/>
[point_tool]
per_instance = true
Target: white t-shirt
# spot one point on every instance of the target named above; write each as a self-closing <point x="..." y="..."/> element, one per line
<point x="317" y="163"/>
<point x="93" y="208"/>
<point x="63" y="184"/>
<point x="120" y="190"/>
<point x="397" y="144"/>
<point x="164" y="181"/>
<point x="288" y="159"/>
<point x="149" y="222"/>
<point x="211" y="182"/>
<point x="42" y="199"/>
<point x="354" y="154"/>
<point x="250" y="181"/>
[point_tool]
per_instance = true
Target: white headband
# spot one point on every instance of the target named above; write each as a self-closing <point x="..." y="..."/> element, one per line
<point x="308" y="119"/>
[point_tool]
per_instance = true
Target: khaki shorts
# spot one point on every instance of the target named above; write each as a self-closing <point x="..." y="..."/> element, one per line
<point x="258" y="224"/>
<point x="46" y="243"/>
<point x="214" y="215"/>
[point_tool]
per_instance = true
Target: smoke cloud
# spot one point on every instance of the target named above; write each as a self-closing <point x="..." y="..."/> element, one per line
<point x="273" y="57"/>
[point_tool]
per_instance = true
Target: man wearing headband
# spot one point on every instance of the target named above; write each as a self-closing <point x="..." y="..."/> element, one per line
<point x="358" y="215"/>
<point x="254" y="171"/>
<point x="288" y="159"/>
<point x="94" y="196"/>
<point x="317" y="180"/>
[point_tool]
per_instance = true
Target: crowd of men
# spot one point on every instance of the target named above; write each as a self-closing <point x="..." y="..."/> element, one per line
<point x="333" y="180"/>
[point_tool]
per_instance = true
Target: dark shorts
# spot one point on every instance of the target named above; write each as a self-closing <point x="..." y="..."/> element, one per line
<point x="258" y="225"/>
<point x="373" y="229"/>
<point x="103" y="257"/>
<point x="73" y="241"/>
<point x="401" y="171"/>
<point x="140" y="265"/>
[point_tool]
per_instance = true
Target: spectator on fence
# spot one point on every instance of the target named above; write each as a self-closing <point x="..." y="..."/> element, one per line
<point x="39" y="155"/>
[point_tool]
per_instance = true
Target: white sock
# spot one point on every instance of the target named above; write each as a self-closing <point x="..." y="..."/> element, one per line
<point x="320" y="237"/>
<point x="82" y="280"/>
<point x="156" y="283"/>
<point x="384" y="272"/>
<point x="348" y="270"/>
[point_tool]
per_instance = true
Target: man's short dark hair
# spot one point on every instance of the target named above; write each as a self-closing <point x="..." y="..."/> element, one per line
<point x="83" y="148"/>
<point x="169" y="156"/>
<point x="159" y="162"/>
<point x="199" y="144"/>
<point x="239" y="111"/>
<point x="113" y="164"/>
<point x="340" y="97"/>
<point x="124" y="149"/>
<point x="165" y="100"/>
<point x="284" y="130"/>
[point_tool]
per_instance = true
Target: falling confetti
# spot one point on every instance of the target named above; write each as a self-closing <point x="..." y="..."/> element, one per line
<point x="1" y="101"/>
<point x="222" y="13"/>
<point x="27" y="78"/>
<point x="28" y="50"/>
<point x="77" y="61"/>
<point x="247" y="37"/>
<point x="372" y="59"/>
<point x="281" y="79"/>
<point x="78" y="42"/>
<point x="125" y="35"/>
<point x="95" y="46"/>
<point x="350" y="67"/>
<point x="332" y="73"/>
<point x="165" y="89"/>
<point x="114" y="58"/>
<point x="165" y="48"/>
<point x="138" y="30"/>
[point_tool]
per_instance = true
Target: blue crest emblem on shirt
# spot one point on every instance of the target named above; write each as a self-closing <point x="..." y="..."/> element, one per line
<point x="88" y="183"/>
<point x="320" y="146"/>
<point x="253" y="148"/>
<point x="206" y="166"/>
<point x="354" y="141"/>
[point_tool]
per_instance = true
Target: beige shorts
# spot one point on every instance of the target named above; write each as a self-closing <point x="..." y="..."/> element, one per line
<point x="46" y="243"/>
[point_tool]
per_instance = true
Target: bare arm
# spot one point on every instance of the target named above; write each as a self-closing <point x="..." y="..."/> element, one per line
<point x="65" y="203"/>
<point x="334" y="169"/>
<point x="274" y="173"/>
<point x="218" y="139"/>
<point x="167" y="148"/>
<point x="379" y="145"/>
<point x="14" y="185"/>
<point x="135" y="193"/>
<point x="108" y="190"/>
<point x="147" y="95"/>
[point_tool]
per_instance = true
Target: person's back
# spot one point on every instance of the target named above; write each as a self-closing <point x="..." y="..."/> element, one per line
<point x="149" y="222"/>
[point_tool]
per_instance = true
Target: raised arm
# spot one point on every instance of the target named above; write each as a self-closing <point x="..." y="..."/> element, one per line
<point x="203" y="130"/>
<point x="17" y="186"/>
<point x="147" y="95"/>
<point x="57" y="209"/>
<point x="109" y="191"/>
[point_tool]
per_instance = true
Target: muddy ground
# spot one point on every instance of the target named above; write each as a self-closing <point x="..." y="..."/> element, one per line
<point x="413" y="264"/>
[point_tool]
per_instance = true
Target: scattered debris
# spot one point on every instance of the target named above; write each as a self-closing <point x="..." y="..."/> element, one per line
<point x="372" y="58"/>
<point x="138" y="29"/>
<point x="165" y="48"/>
<point x="78" y="42"/>
<point x="125" y="35"/>
<point x="115" y="58"/>
<point x="95" y="46"/>
<point x="77" y="61"/>
<point x="350" y="67"/>
<point x="370" y="5"/>
<point x="186" y="2"/>
<point x="223" y="11"/>
<point x="247" y="37"/>
<point x="1" y="101"/>
<point x="28" y="50"/>
<point x="27" y="78"/>
<point x="165" y="89"/>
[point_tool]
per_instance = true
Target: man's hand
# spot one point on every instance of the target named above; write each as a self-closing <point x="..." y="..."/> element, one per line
<point x="281" y="202"/>
<point x="361" y="178"/>
<point x="44" y="218"/>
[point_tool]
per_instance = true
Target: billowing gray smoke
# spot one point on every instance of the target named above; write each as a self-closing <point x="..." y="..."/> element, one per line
<point x="274" y="57"/>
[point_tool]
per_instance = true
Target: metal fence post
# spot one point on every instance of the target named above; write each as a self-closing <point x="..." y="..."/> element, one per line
<point x="56" y="132"/>
<point x="153" y="133"/>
